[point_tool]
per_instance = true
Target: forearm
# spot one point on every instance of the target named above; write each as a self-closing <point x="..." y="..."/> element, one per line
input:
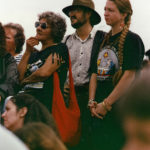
<point x="34" y="77"/>
<point x="92" y="86"/>
<point x="121" y="87"/>
<point x="41" y="74"/>
<point x="23" y="65"/>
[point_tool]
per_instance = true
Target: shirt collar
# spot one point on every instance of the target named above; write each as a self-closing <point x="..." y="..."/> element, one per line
<point x="91" y="35"/>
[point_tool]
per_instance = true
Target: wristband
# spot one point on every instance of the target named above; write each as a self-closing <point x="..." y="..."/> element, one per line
<point x="92" y="103"/>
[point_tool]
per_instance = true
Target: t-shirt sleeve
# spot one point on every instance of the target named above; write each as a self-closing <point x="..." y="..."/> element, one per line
<point x="133" y="52"/>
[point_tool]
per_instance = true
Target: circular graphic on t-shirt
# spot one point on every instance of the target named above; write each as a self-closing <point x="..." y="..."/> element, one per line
<point x="107" y="63"/>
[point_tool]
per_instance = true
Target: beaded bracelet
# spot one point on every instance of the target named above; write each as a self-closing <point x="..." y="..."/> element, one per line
<point x="92" y="103"/>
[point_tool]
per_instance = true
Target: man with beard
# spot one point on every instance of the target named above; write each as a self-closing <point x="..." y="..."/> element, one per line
<point x="83" y="17"/>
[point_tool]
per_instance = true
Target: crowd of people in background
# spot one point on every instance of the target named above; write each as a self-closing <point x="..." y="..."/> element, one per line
<point x="109" y="73"/>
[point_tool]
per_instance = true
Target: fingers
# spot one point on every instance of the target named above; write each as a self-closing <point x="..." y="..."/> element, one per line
<point x="98" y="115"/>
<point x="32" y="41"/>
<point x="56" y="59"/>
<point x="95" y="114"/>
<point x="66" y="90"/>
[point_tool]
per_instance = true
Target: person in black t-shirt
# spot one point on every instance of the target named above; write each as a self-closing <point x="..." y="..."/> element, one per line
<point x="113" y="70"/>
<point x="36" y="67"/>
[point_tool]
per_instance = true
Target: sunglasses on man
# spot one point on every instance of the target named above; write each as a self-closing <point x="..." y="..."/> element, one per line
<point x="42" y="25"/>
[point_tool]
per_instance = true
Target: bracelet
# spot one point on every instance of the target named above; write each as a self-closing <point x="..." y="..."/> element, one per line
<point x="92" y="103"/>
<point x="106" y="106"/>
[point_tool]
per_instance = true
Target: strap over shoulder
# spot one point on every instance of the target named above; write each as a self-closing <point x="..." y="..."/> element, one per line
<point x="67" y="118"/>
<point x="99" y="36"/>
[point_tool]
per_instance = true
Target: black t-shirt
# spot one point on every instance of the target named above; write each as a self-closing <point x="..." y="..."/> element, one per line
<point x="44" y="90"/>
<point x="107" y="60"/>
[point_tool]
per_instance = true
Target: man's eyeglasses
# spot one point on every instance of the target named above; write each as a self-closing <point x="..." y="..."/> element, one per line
<point x="42" y="25"/>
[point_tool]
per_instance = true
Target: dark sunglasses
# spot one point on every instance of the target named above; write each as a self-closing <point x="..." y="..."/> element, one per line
<point x="42" y="25"/>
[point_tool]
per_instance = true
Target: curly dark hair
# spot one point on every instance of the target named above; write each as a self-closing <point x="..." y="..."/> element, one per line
<point x="57" y="24"/>
<point x="19" y="37"/>
<point x="2" y="40"/>
<point x="37" y="112"/>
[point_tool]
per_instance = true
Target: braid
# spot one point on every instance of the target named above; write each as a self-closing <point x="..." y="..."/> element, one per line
<point x="118" y="74"/>
<point x="121" y="42"/>
<point x="106" y="39"/>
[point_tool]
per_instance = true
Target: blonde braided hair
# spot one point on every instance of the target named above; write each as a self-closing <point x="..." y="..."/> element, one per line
<point x="119" y="73"/>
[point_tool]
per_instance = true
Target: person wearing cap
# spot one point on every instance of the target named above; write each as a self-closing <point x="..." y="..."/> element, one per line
<point x="83" y="17"/>
<point x="118" y="61"/>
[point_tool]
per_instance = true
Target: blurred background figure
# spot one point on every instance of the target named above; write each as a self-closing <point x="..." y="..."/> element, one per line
<point x="147" y="53"/>
<point x="146" y="61"/>
<point x="22" y="109"/>
<point x="10" y="141"/>
<point x="38" y="136"/>
<point x="134" y="110"/>
<point x="9" y="77"/>
<point x="15" y="39"/>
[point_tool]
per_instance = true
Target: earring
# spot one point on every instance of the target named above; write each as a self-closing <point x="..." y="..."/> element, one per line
<point x="122" y="25"/>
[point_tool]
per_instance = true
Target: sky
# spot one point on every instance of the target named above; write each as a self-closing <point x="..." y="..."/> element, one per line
<point x="25" y="12"/>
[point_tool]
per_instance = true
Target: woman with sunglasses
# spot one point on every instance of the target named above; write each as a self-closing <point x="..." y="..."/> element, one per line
<point x="37" y="67"/>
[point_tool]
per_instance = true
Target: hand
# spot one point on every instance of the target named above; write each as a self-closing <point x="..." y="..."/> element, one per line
<point x="56" y="59"/>
<point x="66" y="91"/>
<point x="94" y="113"/>
<point x="30" y="43"/>
<point x="92" y="106"/>
<point x="100" y="111"/>
<point x="24" y="82"/>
